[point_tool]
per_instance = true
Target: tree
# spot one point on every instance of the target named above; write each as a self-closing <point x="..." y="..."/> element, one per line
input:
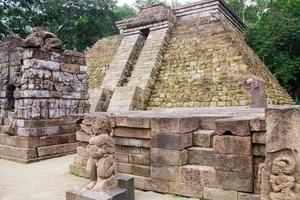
<point x="273" y="31"/>
<point x="78" y="23"/>
<point x="124" y="12"/>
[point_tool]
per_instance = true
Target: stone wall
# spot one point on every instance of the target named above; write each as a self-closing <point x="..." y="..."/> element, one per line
<point x="47" y="87"/>
<point x="208" y="54"/>
<point x="99" y="57"/>
<point x="211" y="157"/>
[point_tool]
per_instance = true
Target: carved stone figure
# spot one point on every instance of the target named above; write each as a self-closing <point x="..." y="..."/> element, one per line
<point x="101" y="148"/>
<point x="282" y="180"/>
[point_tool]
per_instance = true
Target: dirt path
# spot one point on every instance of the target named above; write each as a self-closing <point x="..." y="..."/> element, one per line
<point x="48" y="180"/>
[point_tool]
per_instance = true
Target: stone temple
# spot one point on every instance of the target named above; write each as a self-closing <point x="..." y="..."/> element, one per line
<point x="177" y="101"/>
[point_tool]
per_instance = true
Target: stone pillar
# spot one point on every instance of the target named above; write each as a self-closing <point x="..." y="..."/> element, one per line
<point x="257" y="91"/>
<point x="281" y="174"/>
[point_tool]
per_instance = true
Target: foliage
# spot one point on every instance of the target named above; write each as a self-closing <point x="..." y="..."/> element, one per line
<point x="273" y="31"/>
<point x="142" y="3"/>
<point x="78" y="23"/>
<point x="124" y="12"/>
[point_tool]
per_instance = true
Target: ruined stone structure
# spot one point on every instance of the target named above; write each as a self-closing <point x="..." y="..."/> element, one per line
<point x="192" y="56"/>
<point x="41" y="86"/>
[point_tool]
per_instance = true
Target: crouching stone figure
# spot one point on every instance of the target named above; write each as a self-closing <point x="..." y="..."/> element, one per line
<point x="101" y="165"/>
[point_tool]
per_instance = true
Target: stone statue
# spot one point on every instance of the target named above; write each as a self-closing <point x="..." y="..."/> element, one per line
<point x="281" y="179"/>
<point x="101" y="165"/>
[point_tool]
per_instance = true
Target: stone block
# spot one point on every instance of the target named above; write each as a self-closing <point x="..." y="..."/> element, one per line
<point x="168" y="173"/>
<point x="247" y="196"/>
<point x="132" y="142"/>
<point x="233" y="145"/>
<point x="57" y="139"/>
<point x="174" y="124"/>
<point x="231" y="126"/>
<point x="186" y="190"/>
<point x="127" y="183"/>
<point x="201" y="156"/>
<point x="258" y="124"/>
<point x="162" y="157"/>
<point x="234" y="163"/>
<point x="172" y="141"/>
<point x="122" y="157"/>
<point x="82" y="136"/>
<point x="219" y="194"/>
<point x="141" y="170"/>
<point x="80" y="192"/>
<point x="203" y="138"/>
<point x="133" y="121"/>
<point x="82" y="151"/>
<point x="57" y="149"/>
<point x="139" y="159"/>
<point x="157" y="185"/>
<point x="20" y="153"/>
<point x="124" y="168"/>
<point x="242" y="182"/>
<point x="259" y="137"/>
<point x="71" y="68"/>
<point x="208" y="123"/>
<point x="259" y="150"/>
<point x="133" y="132"/>
<point x="198" y="175"/>
<point x="81" y="161"/>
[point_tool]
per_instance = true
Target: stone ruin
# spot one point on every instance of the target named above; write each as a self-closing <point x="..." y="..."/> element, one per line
<point x="41" y="87"/>
<point x="190" y="105"/>
<point x="178" y="99"/>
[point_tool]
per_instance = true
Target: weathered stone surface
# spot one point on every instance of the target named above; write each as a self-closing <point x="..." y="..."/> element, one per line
<point x="259" y="137"/>
<point x="132" y="142"/>
<point x="201" y="156"/>
<point x="157" y="185"/>
<point x="219" y="194"/>
<point x="231" y="126"/>
<point x="82" y="136"/>
<point x="172" y="141"/>
<point x="141" y="170"/>
<point x="168" y="173"/>
<point x="57" y="149"/>
<point x="139" y="159"/>
<point x="259" y="150"/>
<point x="165" y="157"/>
<point x="234" y="163"/>
<point x="174" y="125"/>
<point x="258" y="124"/>
<point x="234" y="145"/>
<point x="234" y="181"/>
<point x="203" y="138"/>
<point x="185" y="190"/>
<point x="19" y="153"/>
<point x="246" y="196"/>
<point x="124" y="168"/>
<point x="280" y="177"/>
<point x="198" y="175"/>
<point x="133" y="132"/>
<point x="257" y="90"/>
<point x="131" y="121"/>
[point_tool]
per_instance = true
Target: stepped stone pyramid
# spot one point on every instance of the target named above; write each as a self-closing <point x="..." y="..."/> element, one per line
<point x="192" y="56"/>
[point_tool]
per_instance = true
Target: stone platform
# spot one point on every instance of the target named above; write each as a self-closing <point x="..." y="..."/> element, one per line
<point x="125" y="191"/>
<point x="206" y="153"/>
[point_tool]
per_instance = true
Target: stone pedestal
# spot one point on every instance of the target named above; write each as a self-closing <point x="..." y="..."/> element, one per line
<point x="124" y="191"/>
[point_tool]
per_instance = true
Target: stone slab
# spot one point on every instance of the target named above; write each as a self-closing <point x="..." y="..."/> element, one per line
<point x="174" y="124"/>
<point x="201" y="156"/>
<point x="172" y="141"/>
<point x="165" y="157"/>
<point x="233" y="145"/>
<point x="234" y="126"/>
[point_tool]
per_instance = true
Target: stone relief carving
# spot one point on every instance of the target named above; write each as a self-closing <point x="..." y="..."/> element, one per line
<point x="282" y="180"/>
<point x="101" y="165"/>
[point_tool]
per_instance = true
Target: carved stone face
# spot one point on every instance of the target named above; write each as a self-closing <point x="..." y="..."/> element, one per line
<point x="283" y="166"/>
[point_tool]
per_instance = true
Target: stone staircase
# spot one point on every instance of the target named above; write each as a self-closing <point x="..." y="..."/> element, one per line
<point x="120" y="69"/>
<point x="135" y="91"/>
